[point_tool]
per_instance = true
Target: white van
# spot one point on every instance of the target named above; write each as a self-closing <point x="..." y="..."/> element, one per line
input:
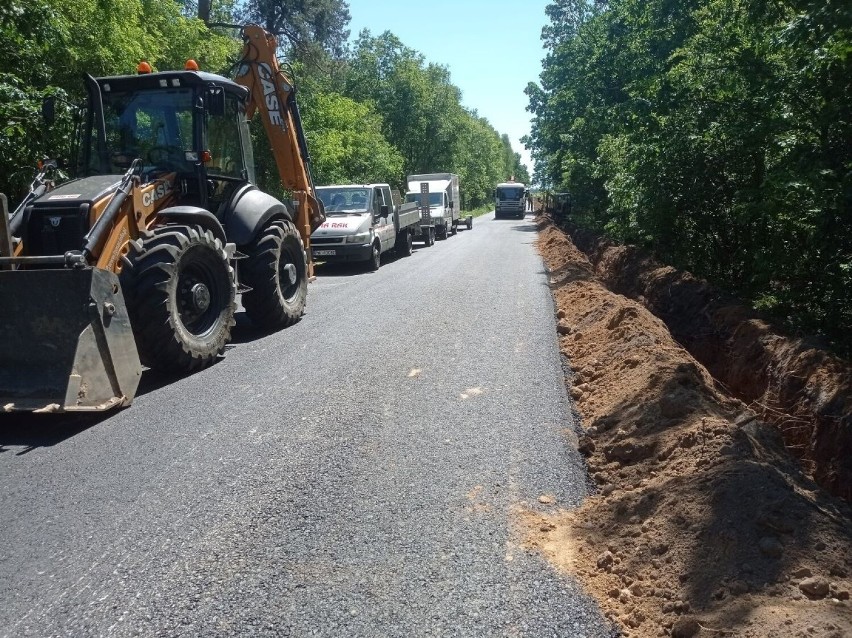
<point x="363" y="222"/>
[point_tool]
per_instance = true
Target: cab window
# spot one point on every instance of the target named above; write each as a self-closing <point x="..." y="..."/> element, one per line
<point x="224" y="143"/>
<point x="152" y="125"/>
<point x="378" y="200"/>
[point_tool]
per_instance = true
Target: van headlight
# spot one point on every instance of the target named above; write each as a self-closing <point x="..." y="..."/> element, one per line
<point x="360" y="238"/>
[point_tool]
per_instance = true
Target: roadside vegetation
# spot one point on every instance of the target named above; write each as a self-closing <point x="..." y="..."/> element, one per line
<point x="715" y="132"/>
<point x="374" y="110"/>
<point x="480" y="210"/>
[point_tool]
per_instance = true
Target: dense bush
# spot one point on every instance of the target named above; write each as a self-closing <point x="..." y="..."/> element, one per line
<point x="718" y="133"/>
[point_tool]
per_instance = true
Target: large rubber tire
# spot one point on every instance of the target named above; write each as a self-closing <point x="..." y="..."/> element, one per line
<point x="441" y="232"/>
<point x="470" y="223"/>
<point x="180" y="293"/>
<point x="404" y="243"/>
<point x="277" y="273"/>
<point x="455" y="228"/>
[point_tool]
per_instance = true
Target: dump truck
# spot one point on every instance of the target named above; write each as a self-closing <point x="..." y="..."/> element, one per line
<point x="444" y="201"/>
<point x="510" y="200"/>
<point x="138" y="260"/>
<point x="363" y="222"/>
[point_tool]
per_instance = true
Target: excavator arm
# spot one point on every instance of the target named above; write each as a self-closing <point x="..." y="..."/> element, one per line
<point x="273" y="95"/>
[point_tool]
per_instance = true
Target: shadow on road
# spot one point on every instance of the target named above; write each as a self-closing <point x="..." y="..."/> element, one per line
<point x="32" y="431"/>
<point x="346" y="269"/>
<point x="245" y="332"/>
<point x="349" y="269"/>
<point x="153" y="380"/>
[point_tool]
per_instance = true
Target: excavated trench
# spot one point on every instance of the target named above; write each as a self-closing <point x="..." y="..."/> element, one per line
<point x="703" y="522"/>
<point x="789" y="382"/>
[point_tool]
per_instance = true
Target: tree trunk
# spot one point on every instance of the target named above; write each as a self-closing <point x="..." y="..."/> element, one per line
<point x="204" y="10"/>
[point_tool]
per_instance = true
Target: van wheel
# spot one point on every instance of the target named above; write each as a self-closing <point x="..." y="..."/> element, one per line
<point x="375" y="260"/>
<point x="181" y="293"/>
<point x="404" y="243"/>
<point x="277" y="273"/>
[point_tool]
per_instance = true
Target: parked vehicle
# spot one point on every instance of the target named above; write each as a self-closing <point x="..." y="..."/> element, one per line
<point x="559" y="205"/>
<point x="363" y="221"/>
<point x="510" y="200"/>
<point x="134" y="262"/>
<point x="444" y="201"/>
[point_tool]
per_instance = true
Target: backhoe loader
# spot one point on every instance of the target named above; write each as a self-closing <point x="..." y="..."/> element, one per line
<point x="139" y="259"/>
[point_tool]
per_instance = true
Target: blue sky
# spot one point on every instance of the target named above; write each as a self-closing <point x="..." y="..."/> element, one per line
<point x="491" y="47"/>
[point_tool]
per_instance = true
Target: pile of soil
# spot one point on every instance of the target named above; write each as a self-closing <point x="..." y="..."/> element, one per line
<point x="703" y="524"/>
<point x="791" y="382"/>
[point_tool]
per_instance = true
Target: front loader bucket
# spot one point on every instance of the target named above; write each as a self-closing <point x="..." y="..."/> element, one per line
<point x="65" y="342"/>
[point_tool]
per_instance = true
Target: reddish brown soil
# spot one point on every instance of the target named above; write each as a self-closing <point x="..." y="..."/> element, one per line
<point x="703" y="523"/>
<point x="790" y="382"/>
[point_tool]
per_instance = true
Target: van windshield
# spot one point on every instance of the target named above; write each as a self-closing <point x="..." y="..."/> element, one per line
<point x="435" y="199"/>
<point x="344" y="200"/>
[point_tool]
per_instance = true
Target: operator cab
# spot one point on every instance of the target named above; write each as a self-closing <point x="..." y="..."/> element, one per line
<point x="188" y="123"/>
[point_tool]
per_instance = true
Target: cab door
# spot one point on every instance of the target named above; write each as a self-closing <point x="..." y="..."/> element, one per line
<point x="383" y="225"/>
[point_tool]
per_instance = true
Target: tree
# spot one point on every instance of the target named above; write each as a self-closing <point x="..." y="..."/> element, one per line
<point x="303" y="23"/>
<point x="46" y="46"/>
<point x="345" y="141"/>
<point x="424" y="119"/>
<point x="715" y="132"/>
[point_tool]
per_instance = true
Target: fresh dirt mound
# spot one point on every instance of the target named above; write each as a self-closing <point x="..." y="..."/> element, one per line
<point x="702" y="522"/>
<point x="790" y="382"/>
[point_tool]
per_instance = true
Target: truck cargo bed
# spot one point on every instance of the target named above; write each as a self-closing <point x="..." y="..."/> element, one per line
<point x="409" y="215"/>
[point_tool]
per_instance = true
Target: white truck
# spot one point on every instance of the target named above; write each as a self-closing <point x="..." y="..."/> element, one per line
<point x="510" y="200"/>
<point x="363" y="221"/>
<point x="444" y="202"/>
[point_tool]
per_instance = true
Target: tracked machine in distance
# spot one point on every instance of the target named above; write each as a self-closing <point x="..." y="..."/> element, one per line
<point x="139" y="259"/>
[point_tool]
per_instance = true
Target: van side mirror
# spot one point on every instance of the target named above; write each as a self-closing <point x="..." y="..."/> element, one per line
<point x="215" y="101"/>
<point x="48" y="110"/>
<point x="383" y="210"/>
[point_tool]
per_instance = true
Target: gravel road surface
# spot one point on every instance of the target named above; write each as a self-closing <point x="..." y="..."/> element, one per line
<point x="354" y="475"/>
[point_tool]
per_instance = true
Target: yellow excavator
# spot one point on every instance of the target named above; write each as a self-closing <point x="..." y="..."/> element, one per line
<point x="138" y="260"/>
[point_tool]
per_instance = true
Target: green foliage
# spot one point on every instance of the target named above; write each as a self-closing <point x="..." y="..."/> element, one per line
<point x="716" y="132"/>
<point x="346" y="140"/>
<point x="22" y="141"/>
<point x="47" y="45"/>
<point x="375" y="114"/>
<point x="424" y="117"/>
<point x="305" y="24"/>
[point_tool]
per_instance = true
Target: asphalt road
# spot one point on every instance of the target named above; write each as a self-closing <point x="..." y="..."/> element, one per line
<point x="355" y="475"/>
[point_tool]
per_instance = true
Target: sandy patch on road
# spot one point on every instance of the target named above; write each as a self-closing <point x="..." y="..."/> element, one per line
<point x="702" y="524"/>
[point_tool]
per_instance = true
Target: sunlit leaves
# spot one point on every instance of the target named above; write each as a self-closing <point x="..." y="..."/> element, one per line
<point x="423" y="117"/>
<point x="716" y="131"/>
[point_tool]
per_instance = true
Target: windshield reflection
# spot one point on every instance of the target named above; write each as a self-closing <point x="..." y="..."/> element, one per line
<point x="344" y="200"/>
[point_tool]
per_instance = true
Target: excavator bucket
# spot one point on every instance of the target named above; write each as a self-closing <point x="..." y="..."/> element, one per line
<point x="65" y="341"/>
